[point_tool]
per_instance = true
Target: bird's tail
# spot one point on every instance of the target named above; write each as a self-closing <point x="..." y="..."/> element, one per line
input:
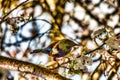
<point x="41" y="51"/>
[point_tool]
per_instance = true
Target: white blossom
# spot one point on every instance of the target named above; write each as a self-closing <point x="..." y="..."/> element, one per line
<point x="113" y="43"/>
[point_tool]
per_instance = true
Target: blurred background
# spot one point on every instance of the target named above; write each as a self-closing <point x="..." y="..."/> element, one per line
<point x="26" y="25"/>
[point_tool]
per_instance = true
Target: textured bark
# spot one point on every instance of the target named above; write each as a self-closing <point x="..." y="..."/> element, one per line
<point x="17" y="65"/>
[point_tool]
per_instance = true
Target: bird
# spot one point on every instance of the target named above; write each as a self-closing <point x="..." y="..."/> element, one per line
<point x="57" y="49"/>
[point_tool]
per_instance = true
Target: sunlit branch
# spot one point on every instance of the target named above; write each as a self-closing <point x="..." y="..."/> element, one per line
<point x="26" y="67"/>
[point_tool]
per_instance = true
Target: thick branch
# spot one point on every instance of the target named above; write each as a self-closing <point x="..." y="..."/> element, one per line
<point x="22" y="66"/>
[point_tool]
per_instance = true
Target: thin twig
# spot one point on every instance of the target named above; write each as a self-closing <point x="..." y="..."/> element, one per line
<point x="32" y="39"/>
<point x="34" y="19"/>
<point x="14" y="9"/>
<point x="95" y="49"/>
<point x="27" y="39"/>
<point x="2" y="39"/>
<point x="95" y="69"/>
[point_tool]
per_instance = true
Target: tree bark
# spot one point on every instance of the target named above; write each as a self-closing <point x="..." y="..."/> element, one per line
<point x="22" y="66"/>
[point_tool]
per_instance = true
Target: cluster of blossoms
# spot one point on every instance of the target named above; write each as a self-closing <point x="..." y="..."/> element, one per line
<point x="80" y="63"/>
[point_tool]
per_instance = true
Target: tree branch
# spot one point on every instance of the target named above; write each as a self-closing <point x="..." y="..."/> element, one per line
<point x="27" y="67"/>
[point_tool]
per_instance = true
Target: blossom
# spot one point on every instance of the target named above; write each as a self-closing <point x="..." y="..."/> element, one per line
<point x="113" y="43"/>
<point x="80" y="63"/>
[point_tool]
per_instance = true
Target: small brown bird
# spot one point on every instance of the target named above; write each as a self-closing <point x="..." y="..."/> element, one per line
<point x="58" y="48"/>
